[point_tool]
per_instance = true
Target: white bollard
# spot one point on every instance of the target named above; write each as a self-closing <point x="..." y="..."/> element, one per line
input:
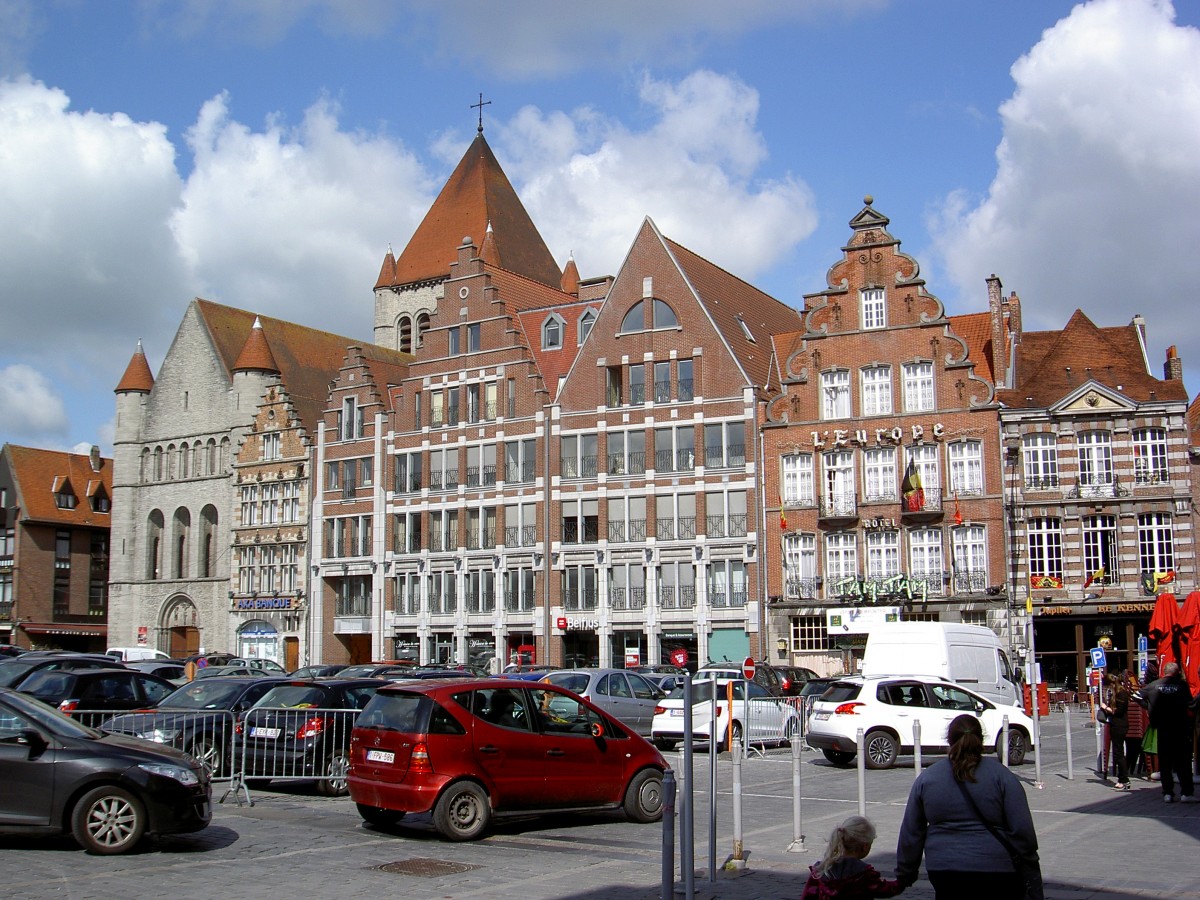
<point x="1070" y="755"/>
<point x="916" y="749"/>
<point x="862" y="776"/>
<point x="797" y="844"/>
<point x="1004" y="741"/>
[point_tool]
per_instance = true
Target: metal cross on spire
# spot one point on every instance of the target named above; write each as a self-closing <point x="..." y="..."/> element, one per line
<point x="480" y="105"/>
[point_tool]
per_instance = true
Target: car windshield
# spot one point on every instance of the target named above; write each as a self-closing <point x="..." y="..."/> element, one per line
<point x="49" y="718"/>
<point x="572" y="681"/>
<point x="406" y="713"/>
<point x="212" y="694"/>
<point x="13" y="670"/>
<point x="294" y="696"/>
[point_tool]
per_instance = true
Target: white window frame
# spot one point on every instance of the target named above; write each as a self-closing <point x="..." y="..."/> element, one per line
<point x="1156" y="542"/>
<point x="966" y="468"/>
<point x="873" y="304"/>
<point x="799" y="565"/>
<point x="841" y="555"/>
<point x="1150" y="456"/>
<point x="798" y="479"/>
<point x="835" y="394"/>
<point x="918" y="387"/>
<point x="883" y="553"/>
<point x="876" y="390"/>
<point x="1095" y="463"/>
<point x="879" y="474"/>
<point x="1101" y="547"/>
<point x="925" y="557"/>
<point x="1040" y="457"/>
<point x="1045" y="540"/>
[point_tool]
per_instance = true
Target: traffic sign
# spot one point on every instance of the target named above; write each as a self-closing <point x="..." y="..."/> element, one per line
<point x="1099" y="659"/>
<point x="1142" y="645"/>
<point x="748" y="668"/>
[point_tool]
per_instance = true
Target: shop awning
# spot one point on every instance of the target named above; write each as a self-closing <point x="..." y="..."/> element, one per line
<point x="64" y="628"/>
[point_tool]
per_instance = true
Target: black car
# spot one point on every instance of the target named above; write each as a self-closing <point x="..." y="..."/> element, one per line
<point x="198" y="718"/>
<point x="169" y="669"/>
<point x="301" y="729"/>
<point x="14" y="671"/>
<point x="376" y="670"/>
<point x="89" y="690"/>
<point x="793" y="679"/>
<point x="766" y="675"/>
<point x="319" y="671"/>
<point x="104" y="789"/>
<point x="11" y="650"/>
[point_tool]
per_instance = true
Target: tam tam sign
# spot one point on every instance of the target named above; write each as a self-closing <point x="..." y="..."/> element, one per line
<point x="861" y="437"/>
<point x="859" y="619"/>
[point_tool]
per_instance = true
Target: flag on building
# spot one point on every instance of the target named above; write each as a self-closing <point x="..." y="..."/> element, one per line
<point x="911" y="489"/>
<point x="1098" y="575"/>
<point x="958" y="518"/>
<point x="1045" y="582"/>
<point x="782" y="515"/>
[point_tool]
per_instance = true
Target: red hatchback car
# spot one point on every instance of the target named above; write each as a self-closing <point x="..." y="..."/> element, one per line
<point x="472" y="749"/>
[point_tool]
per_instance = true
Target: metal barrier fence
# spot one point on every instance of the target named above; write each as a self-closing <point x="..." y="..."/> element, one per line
<point x="271" y="744"/>
<point x="770" y="720"/>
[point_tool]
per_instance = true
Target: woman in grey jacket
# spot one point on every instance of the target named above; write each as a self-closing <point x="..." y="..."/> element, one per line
<point x="944" y="820"/>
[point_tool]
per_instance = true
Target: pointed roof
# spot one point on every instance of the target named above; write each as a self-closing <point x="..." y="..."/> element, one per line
<point x="488" y="252"/>
<point x="1051" y="364"/>
<point x="38" y="475"/>
<point x="570" y="277"/>
<point x="477" y="192"/>
<point x="256" y="352"/>
<point x="137" y="377"/>
<point x="387" y="272"/>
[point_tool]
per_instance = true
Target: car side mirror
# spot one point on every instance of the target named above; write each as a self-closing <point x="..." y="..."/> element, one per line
<point x="978" y="708"/>
<point x="32" y="738"/>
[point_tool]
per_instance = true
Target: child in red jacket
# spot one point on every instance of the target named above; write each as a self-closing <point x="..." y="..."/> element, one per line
<point x="842" y="874"/>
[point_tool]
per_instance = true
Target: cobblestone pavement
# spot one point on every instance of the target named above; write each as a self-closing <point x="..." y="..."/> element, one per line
<point x="1097" y="844"/>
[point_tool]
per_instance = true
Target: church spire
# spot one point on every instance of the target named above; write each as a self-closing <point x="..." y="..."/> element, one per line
<point x="570" y="277"/>
<point x="137" y="378"/>
<point x="256" y="353"/>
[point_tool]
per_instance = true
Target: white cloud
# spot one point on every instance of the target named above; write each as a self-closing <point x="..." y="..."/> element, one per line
<point x="1098" y="177"/>
<point x="30" y="406"/>
<point x="588" y="182"/>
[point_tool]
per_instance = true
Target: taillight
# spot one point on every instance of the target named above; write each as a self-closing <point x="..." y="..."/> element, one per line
<point x="659" y="710"/>
<point x="311" y="728"/>
<point x="847" y="709"/>
<point x="786" y="684"/>
<point x="419" y="761"/>
<point x="68" y="705"/>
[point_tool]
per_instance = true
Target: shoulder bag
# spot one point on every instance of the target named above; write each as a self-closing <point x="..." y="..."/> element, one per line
<point x="1031" y="874"/>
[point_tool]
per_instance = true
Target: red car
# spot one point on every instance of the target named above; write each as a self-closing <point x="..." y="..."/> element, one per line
<point x="470" y="749"/>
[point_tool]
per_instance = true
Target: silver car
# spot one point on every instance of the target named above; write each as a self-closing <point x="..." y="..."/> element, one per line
<point x="624" y="695"/>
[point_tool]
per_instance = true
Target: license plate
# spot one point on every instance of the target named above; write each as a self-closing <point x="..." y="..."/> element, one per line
<point x="821" y="716"/>
<point x="381" y="756"/>
<point x="677" y="713"/>
<point x="261" y="732"/>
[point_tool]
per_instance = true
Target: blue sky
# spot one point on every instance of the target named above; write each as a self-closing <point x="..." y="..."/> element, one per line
<point x="265" y="153"/>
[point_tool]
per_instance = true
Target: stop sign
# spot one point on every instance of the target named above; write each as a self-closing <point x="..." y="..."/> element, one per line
<point x="748" y="668"/>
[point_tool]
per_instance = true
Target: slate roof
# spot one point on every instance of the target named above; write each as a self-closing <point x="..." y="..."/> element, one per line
<point x="1051" y="364"/>
<point x="477" y="193"/>
<point x="39" y="474"/>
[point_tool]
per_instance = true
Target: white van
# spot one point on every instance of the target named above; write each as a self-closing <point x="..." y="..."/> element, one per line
<point x="970" y="655"/>
<point x="130" y="654"/>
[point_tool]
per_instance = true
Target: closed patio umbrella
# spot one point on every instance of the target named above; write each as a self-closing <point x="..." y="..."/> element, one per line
<point x="1188" y="624"/>
<point x="1162" y="630"/>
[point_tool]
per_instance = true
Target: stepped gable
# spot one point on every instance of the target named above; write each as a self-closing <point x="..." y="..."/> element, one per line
<point x="477" y="192"/>
<point x="137" y="378"/>
<point x="729" y="302"/>
<point x="307" y="359"/>
<point x="1051" y="364"/>
<point x="40" y="474"/>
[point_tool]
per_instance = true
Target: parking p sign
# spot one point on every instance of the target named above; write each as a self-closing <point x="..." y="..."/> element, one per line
<point x="1099" y="660"/>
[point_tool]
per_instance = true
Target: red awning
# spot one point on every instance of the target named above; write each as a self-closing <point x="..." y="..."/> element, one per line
<point x="63" y="628"/>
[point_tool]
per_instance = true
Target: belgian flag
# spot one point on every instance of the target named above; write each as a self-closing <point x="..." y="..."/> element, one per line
<point x="912" y="490"/>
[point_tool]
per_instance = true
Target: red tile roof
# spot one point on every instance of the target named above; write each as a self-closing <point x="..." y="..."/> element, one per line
<point x="477" y="193"/>
<point x="976" y="331"/>
<point x="1051" y="364"/>
<point x="137" y="377"/>
<point x="39" y="474"/>
<point x="256" y="353"/>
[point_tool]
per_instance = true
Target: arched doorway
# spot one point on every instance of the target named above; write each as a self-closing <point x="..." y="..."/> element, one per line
<point x="178" y="623"/>
<point x="258" y="640"/>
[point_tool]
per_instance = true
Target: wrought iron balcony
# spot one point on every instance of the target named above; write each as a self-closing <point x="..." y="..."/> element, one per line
<point x="838" y="506"/>
<point x="797" y="588"/>
<point x="627" y="598"/>
<point x="930" y="506"/>
<point x="671" y="597"/>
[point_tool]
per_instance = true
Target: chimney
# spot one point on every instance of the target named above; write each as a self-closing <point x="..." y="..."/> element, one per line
<point x="94" y="454"/>
<point x="1173" y="368"/>
<point x="998" y="330"/>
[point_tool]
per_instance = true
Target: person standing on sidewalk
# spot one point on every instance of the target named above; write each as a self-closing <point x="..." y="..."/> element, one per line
<point x="1134" y="758"/>
<point x="1169" y="702"/>
<point x="1116" y="704"/>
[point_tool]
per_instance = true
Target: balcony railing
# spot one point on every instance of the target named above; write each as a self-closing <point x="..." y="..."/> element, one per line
<point x="6" y="611"/>
<point x="838" y="506"/>
<point x="628" y="598"/>
<point x="634" y="530"/>
<point x="637" y="394"/>
<point x="408" y="605"/>
<point x="887" y="494"/>
<point x="725" y="457"/>
<point x="662" y="392"/>
<point x="633" y="464"/>
<point x="798" y="588"/>
<point x="931" y="504"/>
<point x="969" y="582"/>
<point x="571" y="533"/>
<point x="585" y="599"/>
<point x="1142" y="478"/>
<point x="445" y="480"/>
<point x="516" y="474"/>
<point x="484" y="604"/>
<point x="1041" y="482"/>
<point x="584" y="467"/>
<point x="685" y="389"/>
<point x="352" y="606"/>
<point x="1097" y="487"/>
<point x="440" y="605"/>
<point x="671" y="597"/>
<point x="517" y="602"/>
<point x="520" y="535"/>
<point x="726" y="599"/>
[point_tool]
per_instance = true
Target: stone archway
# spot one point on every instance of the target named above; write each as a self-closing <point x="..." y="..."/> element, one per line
<point x="178" y="622"/>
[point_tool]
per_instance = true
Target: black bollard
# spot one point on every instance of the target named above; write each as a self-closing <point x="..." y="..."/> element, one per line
<point x="668" y="836"/>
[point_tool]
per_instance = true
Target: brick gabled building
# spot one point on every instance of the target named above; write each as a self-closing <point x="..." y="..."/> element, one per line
<point x="55" y="511"/>
<point x="884" y="491"/>
<point x="1099" y="481"/>
<point x="654" y="508"/>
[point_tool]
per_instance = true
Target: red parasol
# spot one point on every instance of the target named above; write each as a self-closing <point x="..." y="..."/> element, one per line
<point x="1188" y="624"/>
<point x="1163" y="623"/>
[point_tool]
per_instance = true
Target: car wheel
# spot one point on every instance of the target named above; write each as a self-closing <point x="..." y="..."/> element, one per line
<point x="208" y="752"/>
<point x="1017" y="747"/>
<point x="378" y="816"/>
<point x="665" y="745"/>
<point x="838" y="757"/>
<point x="336" y="769"/>
<point x="108" y="820"/>
<point x="462" y="813"/>
<point x="880" y="750"/>
<point x="644" y="796"/>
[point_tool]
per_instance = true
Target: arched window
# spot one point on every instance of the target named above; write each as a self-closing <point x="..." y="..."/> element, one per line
<point x="404" y="334"/>
<point x="181" y="527"/>
<point x="211" y="462"/>
<point x="158" y="467"/>
<point x="223" y="462"/>
<point x="635" y="319"/>
<point x="144" y="469"/>
<point x="664" y="316"/>
<point x="552" y="332"/>
<point x="422" y="327"/>
<point x="170" y="462"/>
<point x="185" y="453"/>
<point x="208" y="530"/>
<point x="154" y="529"/>
<point x="586" y="321"/>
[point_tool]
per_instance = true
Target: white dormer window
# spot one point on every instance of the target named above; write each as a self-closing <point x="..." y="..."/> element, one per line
<point x="552" y="332"/>
<point x="586" y="321"/>
<point x="874" y="310"/>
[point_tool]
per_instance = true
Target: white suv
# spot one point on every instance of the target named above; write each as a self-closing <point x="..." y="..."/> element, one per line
<point x="885" y="708"/>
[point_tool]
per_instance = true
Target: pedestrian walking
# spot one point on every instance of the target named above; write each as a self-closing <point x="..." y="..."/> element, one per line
<point x="1116" y="706"/>
<point x="1169" y="702"/>
<point x="1135" y="759"/>
<point x="970" y="819"/>
<point x="842" y="874"/>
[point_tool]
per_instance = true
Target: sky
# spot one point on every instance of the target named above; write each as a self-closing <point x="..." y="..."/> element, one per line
<point x="266" y="153"/>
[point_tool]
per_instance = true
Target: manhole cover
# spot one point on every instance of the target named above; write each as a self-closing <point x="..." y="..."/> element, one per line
<point x="426" y="868"/>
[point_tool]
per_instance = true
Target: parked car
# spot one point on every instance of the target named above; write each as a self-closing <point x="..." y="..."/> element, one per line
<point x="209" y="659"/>
<point x="11" y="650"/>
<point x="302" y="728"/>
<point x="664" y="682"/>
<point x="131" y="654"/>
<point x="227" y="672"/>
<point x="321" y="671"/>
<point x="765" y="675"/>
<point x="15" y="670"/>
<point x="171" y="670"/>
<point x="471" y="750"/>
<point x="793" y="678"/>
<point x="196" y="718"/>
<point x="96" y="689"/>
<point x="107" y="791"/>
<point x="760" y="716"/>
<point x="376" y="669"/>
<point x="885" y="708"/>
<point x="813" y="688"/>
<point x="626" y="695"/>
<point x="525" y="668"/>
<point x="265" y="666"/>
